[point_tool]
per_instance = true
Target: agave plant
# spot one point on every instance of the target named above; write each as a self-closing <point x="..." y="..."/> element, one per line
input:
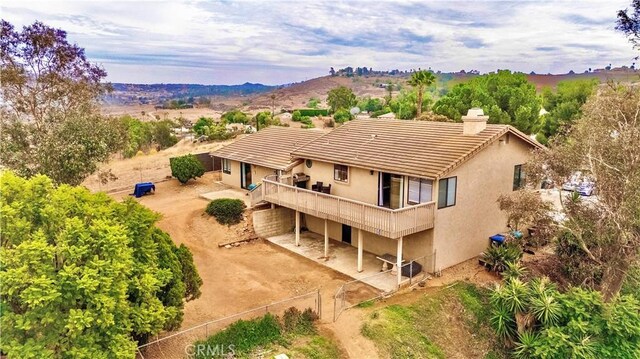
<point x="526" y="345"/>
<point x="503" y="322"/>
<point x="546" y="309"/>
<point x="515" y="296"/>
<point x="514" y="270"/>
<point x="498" y="257"/>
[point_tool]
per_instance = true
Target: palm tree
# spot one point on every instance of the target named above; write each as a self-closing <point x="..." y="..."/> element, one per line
<point x="421" y="79"/>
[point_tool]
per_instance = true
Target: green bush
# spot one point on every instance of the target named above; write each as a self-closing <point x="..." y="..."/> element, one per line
<point x="226" y="210"/>
<point x="313" y="103"/>
<point x="499" y="258"/>
<point x="163" y="134"/>
<point x="542" y="322"/>
<point x="342" y="116"/>
<point x="186" y="167"/>
<point x="200" y="127"/>
<point x="235" y="116"/>
<point x="247" y="335"/>
<point x="244" y="336"/>
<point x="296" y="116"/>
<point x="311" y="112"/>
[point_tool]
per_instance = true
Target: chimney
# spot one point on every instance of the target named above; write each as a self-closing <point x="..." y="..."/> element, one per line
<point x="474" y="122"/>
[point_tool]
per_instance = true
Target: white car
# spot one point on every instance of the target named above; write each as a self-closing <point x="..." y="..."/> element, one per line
<point x="581" y="184"/>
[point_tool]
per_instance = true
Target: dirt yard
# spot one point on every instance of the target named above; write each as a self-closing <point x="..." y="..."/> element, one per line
<point x="239" y="278"/>
<point x="152" y="167"/>
<point x="258" y="273"/>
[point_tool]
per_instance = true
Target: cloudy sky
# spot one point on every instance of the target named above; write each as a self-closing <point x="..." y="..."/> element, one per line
<point x="274" y="42"/>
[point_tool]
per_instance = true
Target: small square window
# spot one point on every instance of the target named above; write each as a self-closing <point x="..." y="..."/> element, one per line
<point x="341" y="173"/>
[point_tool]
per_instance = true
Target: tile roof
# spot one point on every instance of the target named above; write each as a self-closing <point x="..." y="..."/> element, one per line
<point x="418" y="148"/>
<point x="270" y="147"/>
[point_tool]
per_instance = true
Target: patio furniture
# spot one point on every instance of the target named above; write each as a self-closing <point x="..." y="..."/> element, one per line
<point x="326" y="189"/>
<point x="389" y="259"/>
<point x="317" y="187"/>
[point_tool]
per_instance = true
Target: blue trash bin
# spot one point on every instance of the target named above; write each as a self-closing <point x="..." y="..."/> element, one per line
<point x="496" y="239"/>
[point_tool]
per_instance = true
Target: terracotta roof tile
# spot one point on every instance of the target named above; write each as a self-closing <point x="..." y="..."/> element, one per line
<point x="270" y="147"/>
<point x="419" y="148"/>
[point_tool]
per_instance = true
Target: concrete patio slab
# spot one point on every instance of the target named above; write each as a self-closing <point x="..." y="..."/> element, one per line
<point x="228" y="192"/>
<point x="342" y="258"/>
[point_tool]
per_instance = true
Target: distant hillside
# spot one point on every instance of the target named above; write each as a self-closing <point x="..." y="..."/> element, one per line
<point x="158" y="93"/>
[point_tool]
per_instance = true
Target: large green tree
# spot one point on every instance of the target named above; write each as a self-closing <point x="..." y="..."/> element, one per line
<point x="48" y="113"/>
<point x="563" y="106"/>
<point x="341" y="97"/>
<point x="419" y="80"/>
<point x="599" y="240"/>
<point x="84" y="276"/>
<point x="506" y="97"/>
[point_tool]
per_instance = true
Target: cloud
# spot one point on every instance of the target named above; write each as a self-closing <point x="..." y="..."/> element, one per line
<point x="286" y="41"/>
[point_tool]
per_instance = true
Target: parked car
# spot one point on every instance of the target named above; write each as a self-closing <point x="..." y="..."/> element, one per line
<point x="581" y="184"/>
<point x="586" y="188"/>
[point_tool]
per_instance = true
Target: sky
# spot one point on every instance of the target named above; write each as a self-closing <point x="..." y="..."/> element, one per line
<point x="277" y="42"/>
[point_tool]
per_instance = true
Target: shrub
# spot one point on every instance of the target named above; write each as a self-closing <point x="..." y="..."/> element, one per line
<point x="311" y="112"/>
<point x="226" y="210"/>
<point x="296" y="116"/>
<point x="245" y="335"/>
<point x="313" y="103"/>
<point x="201" y="125"/>
<point x="234" y="116"/>
<point x="545" y="323"/>
<point x="342" y="116"/>
<point x="500" y="257"/>
<point x="163" y="135"/>
<point x="186" y="167"/>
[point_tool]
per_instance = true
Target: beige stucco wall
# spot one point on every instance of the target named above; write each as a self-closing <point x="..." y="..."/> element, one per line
<point x="362" y="185"/>
<point x="232" y="179"/>
<point x="257" y="173"/>
<point x="462" y="231"/>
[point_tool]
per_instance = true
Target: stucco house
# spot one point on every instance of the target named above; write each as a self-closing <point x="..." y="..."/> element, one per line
<point x="408" y="188"/>
<point x="268" y="152"/>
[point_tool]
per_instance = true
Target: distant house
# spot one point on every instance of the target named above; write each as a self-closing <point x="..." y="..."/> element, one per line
<point x="408" y="188"/>
<point x="265" y="153"/>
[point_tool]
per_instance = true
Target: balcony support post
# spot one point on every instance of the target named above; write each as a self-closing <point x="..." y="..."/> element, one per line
<point x="297" y="228"/>
<point x="326" y="239"/>
<point x="399" y="261"/>
<point x="360" y="249"/>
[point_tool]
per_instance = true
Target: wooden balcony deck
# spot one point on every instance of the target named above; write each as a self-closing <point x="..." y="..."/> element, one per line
<point x="379" y="220"/>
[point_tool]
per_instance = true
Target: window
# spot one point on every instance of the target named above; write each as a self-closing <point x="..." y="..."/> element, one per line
<point x="447" y="192"/>
<point x="341" y="173"/>
<point x="419" y="190"/>
<point x="518" y="177"/>
<point x="226" y="166"/>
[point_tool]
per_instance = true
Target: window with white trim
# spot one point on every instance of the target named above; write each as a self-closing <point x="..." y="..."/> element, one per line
<point x="226" y="166"/>
<point x="341" y="173"/>
<point x="420" y="190"/>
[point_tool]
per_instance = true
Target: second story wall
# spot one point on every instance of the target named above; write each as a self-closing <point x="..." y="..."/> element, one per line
<point x="361" y="185"/>
<point x="462" y="231"/>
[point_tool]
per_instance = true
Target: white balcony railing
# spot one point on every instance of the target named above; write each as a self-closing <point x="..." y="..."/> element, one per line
<point x="392" y="223"/>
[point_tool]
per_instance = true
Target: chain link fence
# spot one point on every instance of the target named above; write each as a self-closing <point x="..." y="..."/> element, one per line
<point x="180" y="344"/>
<point x="382" y="284"/>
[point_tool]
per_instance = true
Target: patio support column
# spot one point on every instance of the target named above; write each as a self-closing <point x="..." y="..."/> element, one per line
<point x="360" y="250"/>
<point x="399" y="261"/>
<point x="297" y="228"/>
<point x="326" y="239"/>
